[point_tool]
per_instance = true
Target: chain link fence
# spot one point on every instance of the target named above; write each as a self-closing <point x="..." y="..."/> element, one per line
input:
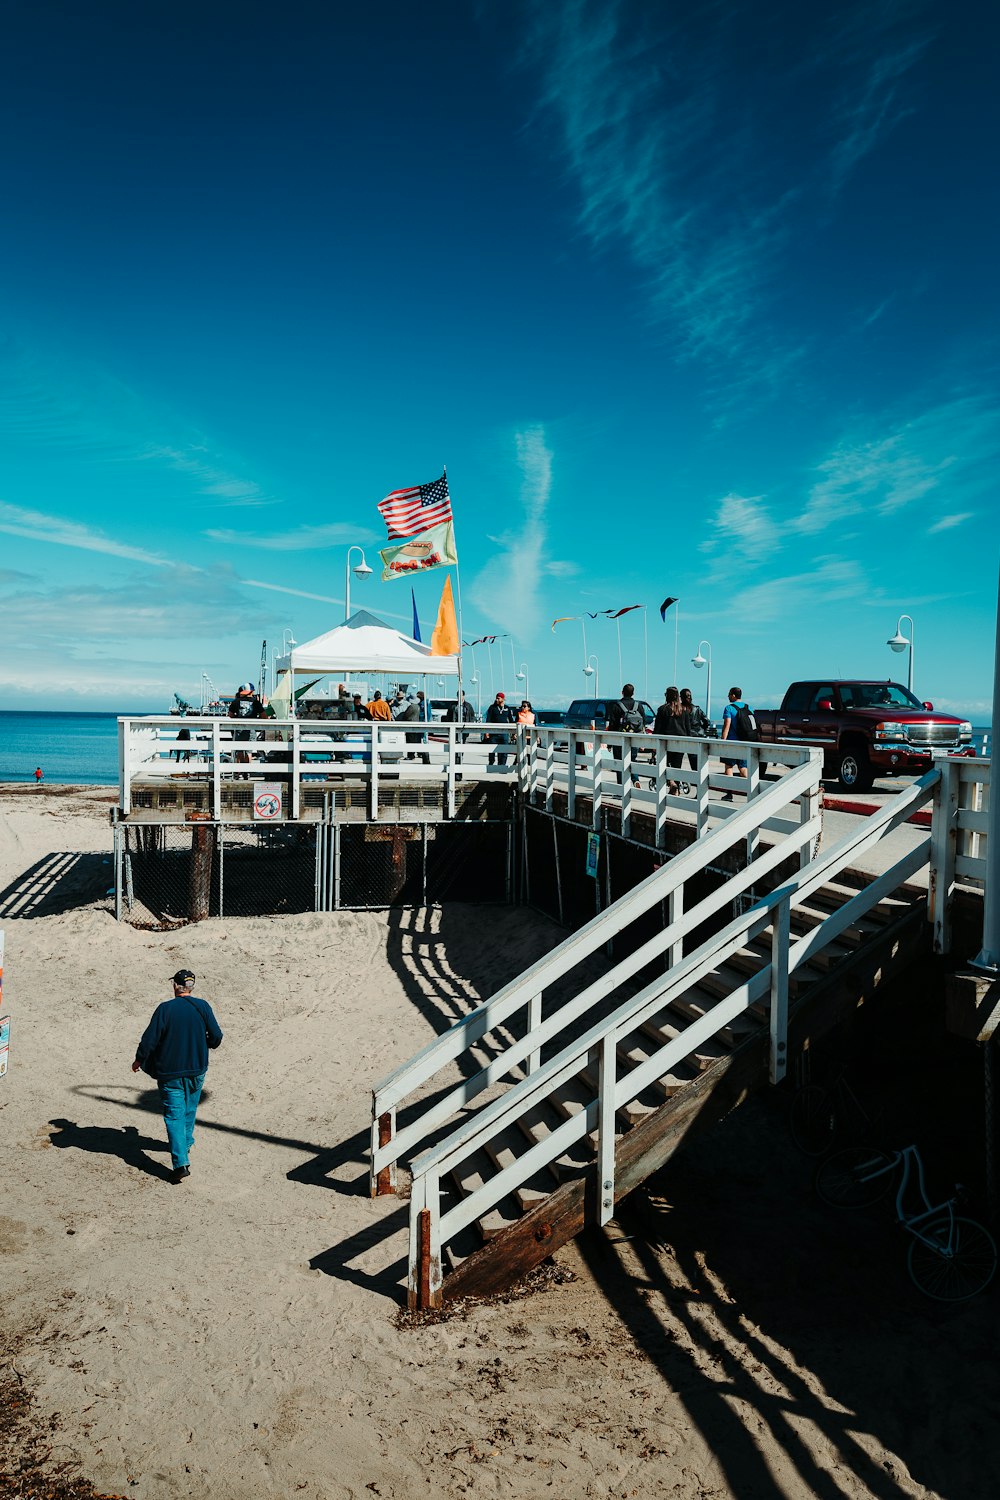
<point x="170" y="873"/>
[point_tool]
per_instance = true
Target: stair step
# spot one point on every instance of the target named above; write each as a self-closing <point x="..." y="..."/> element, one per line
<point x="696" y="1002"/>
<point x="504" y="1150"/>
<point x="538" y="1122"/>
<point x="625" y="1117"/>
<point x="664" y="1028"/>
<point x="474" y="1173"/>
<point x="636" y="1049"/>
<point x="830" y="897"/>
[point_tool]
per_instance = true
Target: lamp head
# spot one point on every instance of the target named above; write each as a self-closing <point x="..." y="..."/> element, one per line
<point x="898" y="642"/>
<point x="698" y="661"/>
<point x="588" y="671"/>
<point x="362" y="570"/>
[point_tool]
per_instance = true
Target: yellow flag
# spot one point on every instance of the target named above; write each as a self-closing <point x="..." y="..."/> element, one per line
<point x="444" y="641"/>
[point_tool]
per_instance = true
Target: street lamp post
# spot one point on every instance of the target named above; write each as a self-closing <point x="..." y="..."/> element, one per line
<point x="522" y="676"/>
<point x="899" y="642"/>
<point x="476" y="681"/>
<point x="362" y="570"/>
<point x="594" y="671"/>
<point x="700" y="661"/>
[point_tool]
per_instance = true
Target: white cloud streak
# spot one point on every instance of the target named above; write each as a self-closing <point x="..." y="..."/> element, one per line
<point x="948" y="523"/>
<point x="871" y="105"/>
<point x="299" y="539"/>
<point x="950" y="450"/>
<point x="506" y="591"/>
<point x="742" y="529"/>
<point x="35" y="526"/>
<point x="277" y="588"/>
<point x="702" y="184"/>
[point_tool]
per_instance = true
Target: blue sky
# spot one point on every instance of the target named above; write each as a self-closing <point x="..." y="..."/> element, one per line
<point x="692" y="300"/>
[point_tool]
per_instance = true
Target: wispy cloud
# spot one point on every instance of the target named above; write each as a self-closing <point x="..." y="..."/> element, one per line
<point x="37" y="527"/>
<point x="683" y="155"/>
<point x="506" y="591"/>
<point x="947" y="523"/>
<point x="876" y="48"/>
<point x="833" y="580"/>
<point x="742" y="529"/>
<point x="299" y="539"/>
<point x="950" y="450"/>
<point x="208" y="476"/>
<point x="70" y="409"/>
<point x="277" y="588"/>
<point x="642" y="131"/>
<point x="178" y="602"/>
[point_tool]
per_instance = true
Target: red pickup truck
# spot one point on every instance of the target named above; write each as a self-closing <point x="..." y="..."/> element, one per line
<point x="865" y="729"/>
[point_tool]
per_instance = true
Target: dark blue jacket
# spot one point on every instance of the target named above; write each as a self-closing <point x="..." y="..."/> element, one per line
<point x="178" y="1037"/>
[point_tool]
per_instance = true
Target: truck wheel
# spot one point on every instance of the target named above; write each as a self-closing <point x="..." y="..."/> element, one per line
<point x="854" y="772"/>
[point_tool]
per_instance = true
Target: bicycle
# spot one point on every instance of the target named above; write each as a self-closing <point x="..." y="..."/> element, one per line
<point x="826" y="1115"/>
<point x="951" y="1257"/>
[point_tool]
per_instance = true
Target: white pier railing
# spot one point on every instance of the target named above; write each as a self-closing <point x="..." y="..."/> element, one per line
<point x="167" y="750"/>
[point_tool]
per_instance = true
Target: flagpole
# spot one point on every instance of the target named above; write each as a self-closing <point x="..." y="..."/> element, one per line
<point x="619" y="624"/>
<point x="677" y="626"/>
<point x="645" y="652"/>
<point x="458" y="599"/>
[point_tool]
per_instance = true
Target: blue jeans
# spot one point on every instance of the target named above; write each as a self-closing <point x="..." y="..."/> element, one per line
<point x="179" y="1101"/>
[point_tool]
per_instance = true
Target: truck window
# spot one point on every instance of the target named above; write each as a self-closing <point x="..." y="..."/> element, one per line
<point x="798" y="698"/>
<point x="823" y="694"/>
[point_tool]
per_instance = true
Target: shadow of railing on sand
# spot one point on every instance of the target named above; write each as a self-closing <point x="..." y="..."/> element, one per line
<point x="57" y="884"/>
<point x="778" y="1326"/>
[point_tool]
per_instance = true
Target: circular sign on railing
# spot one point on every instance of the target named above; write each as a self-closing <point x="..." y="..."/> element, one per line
<point x="267" y="803"/>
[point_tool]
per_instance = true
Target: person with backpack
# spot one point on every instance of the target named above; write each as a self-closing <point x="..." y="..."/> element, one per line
<point x="738" y="723"/>
<point x="701" y="728"/>
<point x="625" y="717"/>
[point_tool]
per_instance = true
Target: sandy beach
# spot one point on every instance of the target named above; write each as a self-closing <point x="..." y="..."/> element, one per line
<point x="241" y="1335"/>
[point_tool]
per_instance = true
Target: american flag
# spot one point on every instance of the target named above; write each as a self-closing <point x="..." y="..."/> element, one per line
<point x="408" y="512"/>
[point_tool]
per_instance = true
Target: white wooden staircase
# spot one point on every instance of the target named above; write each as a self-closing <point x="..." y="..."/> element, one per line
<point x="538" y="1111"/>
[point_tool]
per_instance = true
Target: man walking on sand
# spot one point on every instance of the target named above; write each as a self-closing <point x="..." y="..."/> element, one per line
<point x="173" y="1049"/>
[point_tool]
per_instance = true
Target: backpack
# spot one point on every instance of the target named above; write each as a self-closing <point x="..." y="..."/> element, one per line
<point x="632" y="720"/>
<point x="746" y="725"/>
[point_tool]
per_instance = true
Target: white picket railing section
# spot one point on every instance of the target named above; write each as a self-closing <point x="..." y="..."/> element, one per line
<point x="296" y="751"/>
<point x="496" y="1050"/>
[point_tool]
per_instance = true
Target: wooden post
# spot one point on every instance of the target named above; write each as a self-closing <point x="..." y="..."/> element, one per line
<point x="944" y="842"/>
<point x="383" y="1128"/>
<point x="780" y="937"/>
<point x="608" y="1078"/>
<point x="200" y="875"/>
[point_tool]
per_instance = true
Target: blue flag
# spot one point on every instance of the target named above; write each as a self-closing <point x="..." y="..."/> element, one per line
<point x="416" y="622"/>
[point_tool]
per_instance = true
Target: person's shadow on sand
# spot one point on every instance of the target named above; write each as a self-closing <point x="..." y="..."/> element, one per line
<point x="106" y="1140"/>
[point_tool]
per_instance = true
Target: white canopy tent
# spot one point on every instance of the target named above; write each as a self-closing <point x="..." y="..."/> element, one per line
<point x="365" y="644"/>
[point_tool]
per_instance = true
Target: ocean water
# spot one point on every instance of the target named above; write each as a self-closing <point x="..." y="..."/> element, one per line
<point x="75" y="748"/>
<point x="82" y="749"/>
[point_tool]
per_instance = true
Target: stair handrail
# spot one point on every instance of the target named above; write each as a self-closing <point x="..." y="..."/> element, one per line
<point x="602" y="1036"/>
<point x="387" y="1145"/>
<point x="638" y="1008"/>
<point x="587" y="939"/>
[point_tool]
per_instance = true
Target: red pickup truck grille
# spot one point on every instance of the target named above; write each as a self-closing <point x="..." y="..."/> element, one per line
<point x="930" y="734"/>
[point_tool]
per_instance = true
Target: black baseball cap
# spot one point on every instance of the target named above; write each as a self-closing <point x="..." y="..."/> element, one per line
<point x="183" y="976"/>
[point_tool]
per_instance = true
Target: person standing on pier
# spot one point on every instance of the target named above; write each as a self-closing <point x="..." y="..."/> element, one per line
<point x="174" y="1050"/>
<point x="499" y="713"/>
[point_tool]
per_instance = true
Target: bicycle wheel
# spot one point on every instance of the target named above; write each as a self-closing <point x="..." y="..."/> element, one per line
<point x="962" y="1273"/>
<point x="855" y="1177"/>
<point x="812" y="1120"/>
